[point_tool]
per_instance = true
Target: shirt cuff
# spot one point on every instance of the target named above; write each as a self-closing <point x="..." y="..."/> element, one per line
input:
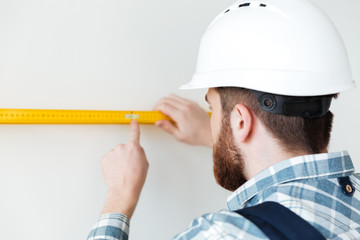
<point x="110" y="226"/>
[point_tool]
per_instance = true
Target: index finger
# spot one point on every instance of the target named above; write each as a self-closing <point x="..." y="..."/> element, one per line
<point x="134" y="132"/>
<point x="168" y="109"/>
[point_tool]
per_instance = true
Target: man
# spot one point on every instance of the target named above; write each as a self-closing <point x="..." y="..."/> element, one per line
<point x="272" y="69"/>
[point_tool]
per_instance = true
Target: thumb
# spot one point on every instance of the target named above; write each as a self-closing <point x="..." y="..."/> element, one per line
<point x="167" y="126"/>
<point x="134" y="132"/>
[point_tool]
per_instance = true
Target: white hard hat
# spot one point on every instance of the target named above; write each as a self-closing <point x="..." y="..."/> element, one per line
<point x="277" y="46"/>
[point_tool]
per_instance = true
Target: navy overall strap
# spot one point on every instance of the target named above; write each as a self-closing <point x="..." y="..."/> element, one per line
<point x="280" y="223"/>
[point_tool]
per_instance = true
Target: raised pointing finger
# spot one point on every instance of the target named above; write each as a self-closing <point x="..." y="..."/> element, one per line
<point x="134" y="132"/>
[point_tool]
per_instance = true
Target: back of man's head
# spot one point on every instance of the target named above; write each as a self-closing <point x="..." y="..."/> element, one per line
<point x="311" y="135"/>
<point x="292" y="64"/>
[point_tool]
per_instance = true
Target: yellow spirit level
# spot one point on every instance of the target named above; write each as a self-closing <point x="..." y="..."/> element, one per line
<point x="43" y="116"/>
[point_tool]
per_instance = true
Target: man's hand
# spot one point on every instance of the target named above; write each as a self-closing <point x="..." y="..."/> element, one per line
<point x="192" y="123"/>
<point x="124" y="169"/>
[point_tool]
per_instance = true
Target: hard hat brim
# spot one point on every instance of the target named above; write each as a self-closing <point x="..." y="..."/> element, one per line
<point x="277" y="82"/>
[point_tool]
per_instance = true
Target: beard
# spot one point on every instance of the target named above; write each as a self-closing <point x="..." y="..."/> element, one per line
<point x="228" y="160"/>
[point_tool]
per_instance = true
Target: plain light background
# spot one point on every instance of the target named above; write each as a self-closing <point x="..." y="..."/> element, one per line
<point x="116" y="55"/>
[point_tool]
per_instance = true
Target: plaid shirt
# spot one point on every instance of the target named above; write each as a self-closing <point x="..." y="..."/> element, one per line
<point x="308" y="185"/>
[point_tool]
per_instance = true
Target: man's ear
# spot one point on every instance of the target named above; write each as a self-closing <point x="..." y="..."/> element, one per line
<point x="241" y="122"/>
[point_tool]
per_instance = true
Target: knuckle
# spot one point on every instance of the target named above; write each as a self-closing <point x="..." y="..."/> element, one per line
<point x="119" y="147"/>
<point x="190" y="106"/>
<point x="180" y="137"/>
<point x="179" y="115"/>
<point x="158" y="105"/>
<point x="132" y="145"/>
<point x="165" y="107"/>
<point x="165" y="126"/>
<point x="161" y="107"/>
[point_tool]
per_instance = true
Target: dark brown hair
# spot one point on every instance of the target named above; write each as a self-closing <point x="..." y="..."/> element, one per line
<point x="311" y="135"/>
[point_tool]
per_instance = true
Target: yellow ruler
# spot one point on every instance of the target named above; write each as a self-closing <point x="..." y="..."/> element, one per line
<point x="43" y="116"/>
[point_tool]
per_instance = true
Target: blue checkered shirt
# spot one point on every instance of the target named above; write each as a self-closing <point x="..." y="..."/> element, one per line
<point x="308" y="185"/>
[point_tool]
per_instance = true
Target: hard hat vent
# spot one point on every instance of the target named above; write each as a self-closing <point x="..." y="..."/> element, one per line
<point x="244" y="5"/>
<point x="247" y="5"/>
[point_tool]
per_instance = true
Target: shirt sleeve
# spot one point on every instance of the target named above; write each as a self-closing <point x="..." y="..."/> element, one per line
<point x="223" y="225"/>
<point x="110" y="226"/>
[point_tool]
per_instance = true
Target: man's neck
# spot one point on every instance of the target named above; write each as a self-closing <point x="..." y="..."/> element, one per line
<point x="264" y="152"/>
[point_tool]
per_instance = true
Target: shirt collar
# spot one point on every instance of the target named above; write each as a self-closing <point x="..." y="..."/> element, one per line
<point x="317" y="166"/>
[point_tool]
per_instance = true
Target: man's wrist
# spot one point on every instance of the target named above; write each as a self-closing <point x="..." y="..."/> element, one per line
<point x="117" y="203"/>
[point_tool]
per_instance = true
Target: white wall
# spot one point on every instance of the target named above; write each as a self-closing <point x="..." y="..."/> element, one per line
<point x="115" y="55"/>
